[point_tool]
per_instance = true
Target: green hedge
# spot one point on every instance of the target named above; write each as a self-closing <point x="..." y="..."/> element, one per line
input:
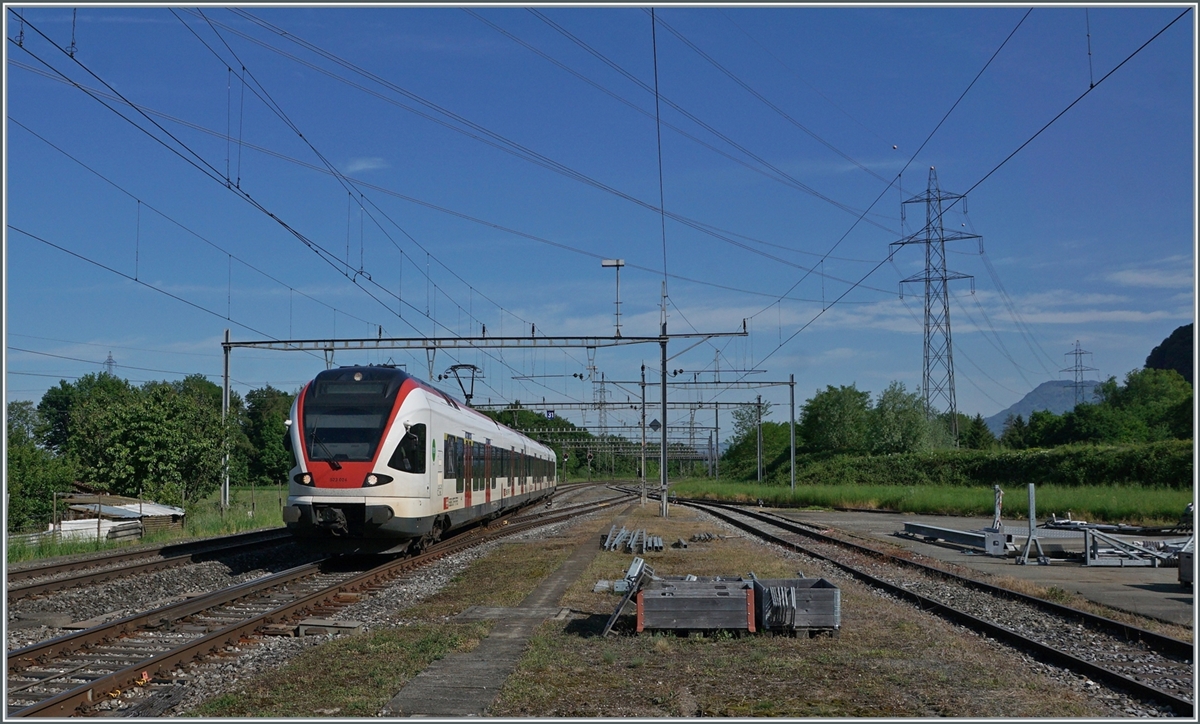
<point x="1162" y="464"/>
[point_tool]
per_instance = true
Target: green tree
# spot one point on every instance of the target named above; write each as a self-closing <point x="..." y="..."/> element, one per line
<point x="1151" y="396"/>
<point x="898" y="422"/>
<point x="267" y="409"/>
<point x="836" y="419"/>
<point x="1016" y="433"/>
<point x="57" y="409"/>
<point x="34" y="473"/>
<point x="164" y="442"/>
<point x="976" y="435"/>
<point x="1097" y="424"/>
<point x="1046" y="429"/>
<point x="745" y="422"/>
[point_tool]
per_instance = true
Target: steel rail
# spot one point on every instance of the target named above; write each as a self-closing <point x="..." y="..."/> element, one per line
<point x="168" y="550"/>
<point x="1181" y="706"/>
<point x="72" y="700"/>
<point x="88" y="576"/>
<point x="1160" y="643"/>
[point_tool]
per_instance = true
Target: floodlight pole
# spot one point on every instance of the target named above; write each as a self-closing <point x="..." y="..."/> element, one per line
<point x="758" y="436"/>
<point x="662" y="453"/>
<point x="662" y="465"/>
<point x="224" y="415"/>
<point x="643" y="468"/>
<point x="792" y="425"/>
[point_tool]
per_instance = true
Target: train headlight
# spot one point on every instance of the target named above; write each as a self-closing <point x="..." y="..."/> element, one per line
<point x="303" y="478"/>
<point x="376" y="479"/>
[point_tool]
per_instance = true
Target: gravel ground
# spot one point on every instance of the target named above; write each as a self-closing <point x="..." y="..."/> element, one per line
<point x="1016" y="616"/>
<point x="32" y="620"/>
<point x="384" y="608"/>
<point x="381" y="608"/>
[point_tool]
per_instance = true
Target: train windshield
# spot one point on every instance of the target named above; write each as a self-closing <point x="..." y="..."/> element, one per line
<point x="346" y="411"/>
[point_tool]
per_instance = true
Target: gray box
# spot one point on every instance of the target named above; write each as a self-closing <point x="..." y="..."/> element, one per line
<point x="792" y="604"/>
<point x="696" y="606"/>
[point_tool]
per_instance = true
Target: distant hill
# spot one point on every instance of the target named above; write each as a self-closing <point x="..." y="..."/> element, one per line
<point x="1057" y="396"/>
<point x="1175" y="353"/>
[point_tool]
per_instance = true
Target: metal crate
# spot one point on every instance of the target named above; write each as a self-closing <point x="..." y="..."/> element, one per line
<point x="696" y="606"/>
<point x="794" y="604"/>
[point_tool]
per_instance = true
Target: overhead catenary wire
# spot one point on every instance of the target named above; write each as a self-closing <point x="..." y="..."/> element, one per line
<point x="122" y="274"/>
<point x="800" y="77"/>
<point x="490" y="137"/>
<point x="445" y="210"/>
<point x="763" y="99"/>
<point x="473" y="219"/>
<point x="773" y="174"/>
<point x="662" y="205"/>
<point x="176" y="222"/>
<point x="109" y="345"/>
<point x="193" y="159"/>
<point x="338" y="175"/>
<point x="114" y="364"/>
<point x="791" y="181"/>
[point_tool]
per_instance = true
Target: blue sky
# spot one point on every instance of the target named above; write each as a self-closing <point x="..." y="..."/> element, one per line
<point x="483" y="180"/>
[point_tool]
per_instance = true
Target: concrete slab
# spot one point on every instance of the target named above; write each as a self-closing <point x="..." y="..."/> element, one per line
<point x="1151" y="592"/>
<point x="466" y="684"/>
<point x="483" y="613"/>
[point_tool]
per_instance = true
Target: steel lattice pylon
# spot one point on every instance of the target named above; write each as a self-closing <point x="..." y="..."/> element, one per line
<point x="1078" y="369"/>
<point x="938" y="375"/>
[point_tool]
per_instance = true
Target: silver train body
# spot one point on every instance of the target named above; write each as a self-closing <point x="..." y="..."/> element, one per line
<point x="382" y="455"/>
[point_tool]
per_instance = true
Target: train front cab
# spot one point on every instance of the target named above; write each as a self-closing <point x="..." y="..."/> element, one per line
<point x="363" y="468"/>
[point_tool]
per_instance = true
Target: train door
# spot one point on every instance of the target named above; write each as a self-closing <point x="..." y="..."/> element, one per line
<point x="513" y="471"/>
<point x="499" y="469"/>
<point x="468" y="472"/>
<point x="488" y="481"/>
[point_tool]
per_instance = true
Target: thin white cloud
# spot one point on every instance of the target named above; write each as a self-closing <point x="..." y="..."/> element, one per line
<point x="1156" y="278"/>
<point x="1172" y="272"/>
<point x="369" y="163"/>
<point x="1094" y="315"/>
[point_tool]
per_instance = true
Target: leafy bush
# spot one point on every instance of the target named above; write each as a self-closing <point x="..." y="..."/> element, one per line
<point x="1166" y="464"/>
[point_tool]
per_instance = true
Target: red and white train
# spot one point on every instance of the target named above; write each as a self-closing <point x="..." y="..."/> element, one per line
<point x="382" y="455"/>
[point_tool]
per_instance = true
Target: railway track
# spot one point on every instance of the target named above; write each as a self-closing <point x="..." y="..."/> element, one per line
<point x="1149" y="666"/>
<point x="68" y="675"/>
<point x="60" y="575"/>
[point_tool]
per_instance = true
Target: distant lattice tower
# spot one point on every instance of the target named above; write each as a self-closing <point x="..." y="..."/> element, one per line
<point x="938" y="374"/>
<point x="1078" y="369"/>
<point x="110" y="364"/>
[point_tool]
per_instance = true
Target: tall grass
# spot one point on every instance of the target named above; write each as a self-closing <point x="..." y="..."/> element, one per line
<point x="1102" y="503"/>
<point x="250" y="508"/>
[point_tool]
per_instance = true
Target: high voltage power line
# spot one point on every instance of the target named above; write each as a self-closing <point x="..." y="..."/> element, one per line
<point x="999" y="165"/>
<point x="1021" y="325"/>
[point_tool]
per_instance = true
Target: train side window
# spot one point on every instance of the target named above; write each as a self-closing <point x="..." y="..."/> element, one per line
<point x="410" y="453"/>
<point x="454" y="462"/>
